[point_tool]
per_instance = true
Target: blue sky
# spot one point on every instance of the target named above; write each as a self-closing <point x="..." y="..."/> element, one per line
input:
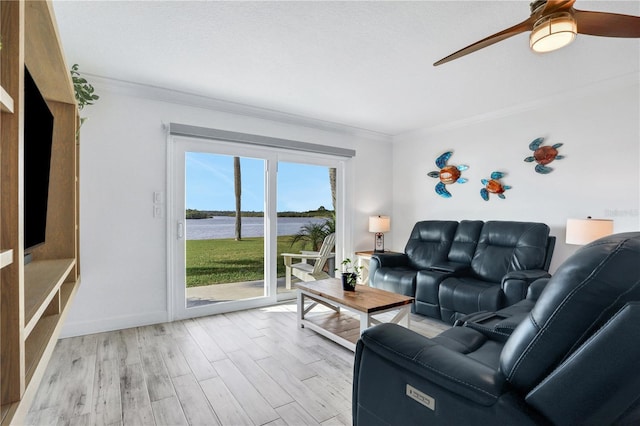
<point x="209" y="181"/>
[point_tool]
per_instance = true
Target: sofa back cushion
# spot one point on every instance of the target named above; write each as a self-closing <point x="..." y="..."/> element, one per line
<point x="509" y="246"/>
<point x="429" y="242"/>
<point x="583" y="294"/>
<point x="465" y="241"/>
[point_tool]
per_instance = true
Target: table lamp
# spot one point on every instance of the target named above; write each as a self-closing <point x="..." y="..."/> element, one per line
<point x="584" y="231"/>
<point x="379" y="225"/>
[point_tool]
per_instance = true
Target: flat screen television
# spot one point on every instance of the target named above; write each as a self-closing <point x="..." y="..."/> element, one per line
<point x="38" y="138"/>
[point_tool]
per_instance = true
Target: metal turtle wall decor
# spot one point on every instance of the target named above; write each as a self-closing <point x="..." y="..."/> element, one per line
<point x="447" y="174"/>
<point x="543" y="155"/>
<point x="493" y="186"/>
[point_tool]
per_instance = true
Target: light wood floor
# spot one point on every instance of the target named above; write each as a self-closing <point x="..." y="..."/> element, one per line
<point x="253" y="367"/>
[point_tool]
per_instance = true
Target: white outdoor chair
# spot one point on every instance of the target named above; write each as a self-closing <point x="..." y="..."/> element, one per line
<point x="309" y="271"/>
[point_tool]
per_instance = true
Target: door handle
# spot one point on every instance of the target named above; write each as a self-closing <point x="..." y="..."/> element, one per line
<point x="180" y="230"/>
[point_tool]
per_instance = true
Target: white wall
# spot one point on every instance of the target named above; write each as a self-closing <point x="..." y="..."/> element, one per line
<point x="123" y="161"/>
<point x="123" y="254"/>
<point x="599" y="177"/>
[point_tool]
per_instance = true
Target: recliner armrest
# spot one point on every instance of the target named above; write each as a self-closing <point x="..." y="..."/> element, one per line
<point x="438" y="364"/>
<point x="389" y="260"/>
<point x="515" y="284"/>
<point x="494" y="325"/>
<point x="536" y="287"/>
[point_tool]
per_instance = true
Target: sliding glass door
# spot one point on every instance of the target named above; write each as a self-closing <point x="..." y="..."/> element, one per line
<point x="224" y="231"/>
<point x="306" y="215"/>
<point x="235" y="211"/>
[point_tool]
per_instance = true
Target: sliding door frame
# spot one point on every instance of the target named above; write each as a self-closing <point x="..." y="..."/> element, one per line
<point x="177" y="146"/>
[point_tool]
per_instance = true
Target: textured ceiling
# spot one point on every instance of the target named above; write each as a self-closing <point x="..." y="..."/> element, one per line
<point x="362" y="64"/>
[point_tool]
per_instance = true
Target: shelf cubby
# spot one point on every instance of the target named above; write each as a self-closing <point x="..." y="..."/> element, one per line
<point x="42" y="282"/>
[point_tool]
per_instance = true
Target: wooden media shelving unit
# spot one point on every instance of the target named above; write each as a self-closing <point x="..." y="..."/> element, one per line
<point x="34" y="298"/>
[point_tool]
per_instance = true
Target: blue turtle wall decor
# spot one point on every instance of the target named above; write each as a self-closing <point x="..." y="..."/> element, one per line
<point x="447" y="174"/>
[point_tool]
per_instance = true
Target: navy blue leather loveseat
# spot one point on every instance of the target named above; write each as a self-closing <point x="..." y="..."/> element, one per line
<point x="457" y="268"/>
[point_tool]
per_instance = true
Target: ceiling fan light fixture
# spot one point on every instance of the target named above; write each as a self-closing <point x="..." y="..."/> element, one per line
<point x="553" y="32"/>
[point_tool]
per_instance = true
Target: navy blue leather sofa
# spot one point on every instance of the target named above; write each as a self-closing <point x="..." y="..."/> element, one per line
<point x="457" y="268"/>
<point x="566" y="356"/>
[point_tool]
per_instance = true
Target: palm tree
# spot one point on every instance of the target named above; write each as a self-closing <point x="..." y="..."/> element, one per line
<point x="313" y="233"/>
<point x="332" y="182"/>
<point x="237" y="184"/>
<point x="330" y="223"/>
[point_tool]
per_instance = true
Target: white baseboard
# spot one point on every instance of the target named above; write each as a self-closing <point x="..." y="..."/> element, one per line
<point x="72" y="329"/>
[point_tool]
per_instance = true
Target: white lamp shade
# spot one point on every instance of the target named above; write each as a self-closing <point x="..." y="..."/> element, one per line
<point x="379" y="224"/>
<point x="584" y="231"/>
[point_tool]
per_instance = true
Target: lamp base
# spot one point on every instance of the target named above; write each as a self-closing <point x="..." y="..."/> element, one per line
<point x="378" y="243"/>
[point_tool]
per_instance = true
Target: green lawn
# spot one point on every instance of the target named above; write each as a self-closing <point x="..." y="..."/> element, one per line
<point x="227" y="260"/>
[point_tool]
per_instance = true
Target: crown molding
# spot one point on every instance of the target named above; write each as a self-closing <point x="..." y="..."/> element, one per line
<point x="193" y="100"/>
<point x="603" y="86"/>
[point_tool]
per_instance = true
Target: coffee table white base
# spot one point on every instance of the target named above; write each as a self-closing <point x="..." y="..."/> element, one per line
<point x="367" y="320"/>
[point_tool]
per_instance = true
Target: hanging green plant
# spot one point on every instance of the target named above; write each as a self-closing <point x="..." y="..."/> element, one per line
<point x="84" y="93"/>
<point x="83" y="90"/>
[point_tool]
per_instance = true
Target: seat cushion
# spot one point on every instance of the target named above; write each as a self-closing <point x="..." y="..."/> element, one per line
<point x="304" y="271"/>
<point x="472" y="343"/>
<point x="464" y="295"/>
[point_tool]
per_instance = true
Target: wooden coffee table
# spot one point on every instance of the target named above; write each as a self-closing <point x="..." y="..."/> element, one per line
<point x="365" y="302"/>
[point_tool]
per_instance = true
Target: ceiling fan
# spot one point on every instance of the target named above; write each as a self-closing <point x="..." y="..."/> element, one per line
<point x="555" y="23"/>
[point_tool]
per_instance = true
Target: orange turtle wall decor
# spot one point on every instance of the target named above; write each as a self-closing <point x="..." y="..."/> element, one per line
<point x="493" y="186"/>
<point x="543" y="155"/>
<point x="447" y="174"/>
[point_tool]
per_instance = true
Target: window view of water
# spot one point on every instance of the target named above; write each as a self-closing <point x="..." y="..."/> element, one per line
<point x="224" y="226"/>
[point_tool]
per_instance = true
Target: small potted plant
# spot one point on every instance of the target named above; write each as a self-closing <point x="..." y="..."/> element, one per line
<point x="350" y="275"/>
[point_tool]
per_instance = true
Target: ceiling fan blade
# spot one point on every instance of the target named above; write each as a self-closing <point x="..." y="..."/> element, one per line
<point x="607" y="24"/>
<point x="557" y="6"/>
<point x="502" y="35"/>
